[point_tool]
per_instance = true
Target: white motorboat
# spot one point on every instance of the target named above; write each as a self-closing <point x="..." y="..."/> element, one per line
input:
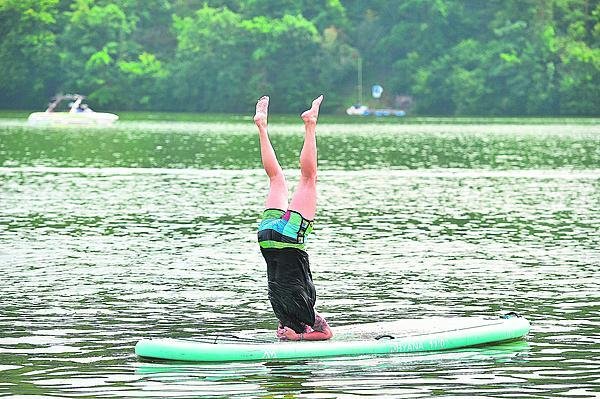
<point x="363" y="110"/>
<point x="78" y="113"/>
<point x="357" y="109"/>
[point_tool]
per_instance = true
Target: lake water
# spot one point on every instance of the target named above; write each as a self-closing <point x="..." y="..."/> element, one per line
<point x="147" y="230"/>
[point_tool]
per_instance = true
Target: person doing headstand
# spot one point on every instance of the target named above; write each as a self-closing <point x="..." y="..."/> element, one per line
<point x="283" y="231"/>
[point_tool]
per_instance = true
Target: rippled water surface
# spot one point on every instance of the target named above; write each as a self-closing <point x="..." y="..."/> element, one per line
<point x="148" y="230"/>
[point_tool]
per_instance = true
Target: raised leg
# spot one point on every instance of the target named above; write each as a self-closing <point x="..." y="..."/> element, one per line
<point x="304" y="199"/>
<point x="278" y="190"/>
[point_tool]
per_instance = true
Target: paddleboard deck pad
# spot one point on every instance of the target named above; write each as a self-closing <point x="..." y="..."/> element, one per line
<point x="399" y="336"/>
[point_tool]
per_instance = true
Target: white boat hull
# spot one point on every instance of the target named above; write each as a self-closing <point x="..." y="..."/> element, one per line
<point x="67" y="118"/>
<point x="365" y="111"/>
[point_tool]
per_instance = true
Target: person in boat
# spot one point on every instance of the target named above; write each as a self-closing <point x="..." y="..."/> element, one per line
<point x="283" y="230"/>
<point x="76" y="106"/>
<point x="85" y="108"/>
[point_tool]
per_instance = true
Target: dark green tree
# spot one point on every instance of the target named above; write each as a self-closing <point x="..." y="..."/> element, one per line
<point x="453" y="57"/>
<point x="29" y="62"/>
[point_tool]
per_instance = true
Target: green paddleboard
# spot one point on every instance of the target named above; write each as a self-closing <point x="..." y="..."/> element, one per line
<point x="400" y="336"/>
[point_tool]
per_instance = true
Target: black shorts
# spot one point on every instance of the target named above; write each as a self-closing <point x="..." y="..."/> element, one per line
<point x="291" y="289"/>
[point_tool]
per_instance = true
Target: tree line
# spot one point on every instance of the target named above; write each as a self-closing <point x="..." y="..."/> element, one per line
<point x="451" y="57"/>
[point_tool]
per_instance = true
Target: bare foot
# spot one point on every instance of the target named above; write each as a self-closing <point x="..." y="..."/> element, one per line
<point x="262" y="106"/>
<point x="310" y="116"/>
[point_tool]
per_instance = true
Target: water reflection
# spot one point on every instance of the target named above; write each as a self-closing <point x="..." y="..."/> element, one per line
<point x="235" y="146"/>
<point x="342" y="375"/>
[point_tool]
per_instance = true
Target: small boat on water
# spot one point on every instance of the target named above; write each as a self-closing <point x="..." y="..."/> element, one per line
<point x="363" y="110"/>
<point x="78" y="113"/>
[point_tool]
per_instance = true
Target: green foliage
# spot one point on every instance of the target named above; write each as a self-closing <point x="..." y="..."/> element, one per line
<point x="291" y="38"/>
<point x="210" y="61"/>
<point x="453" y="57"/>
<point x="28" y="57"/>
